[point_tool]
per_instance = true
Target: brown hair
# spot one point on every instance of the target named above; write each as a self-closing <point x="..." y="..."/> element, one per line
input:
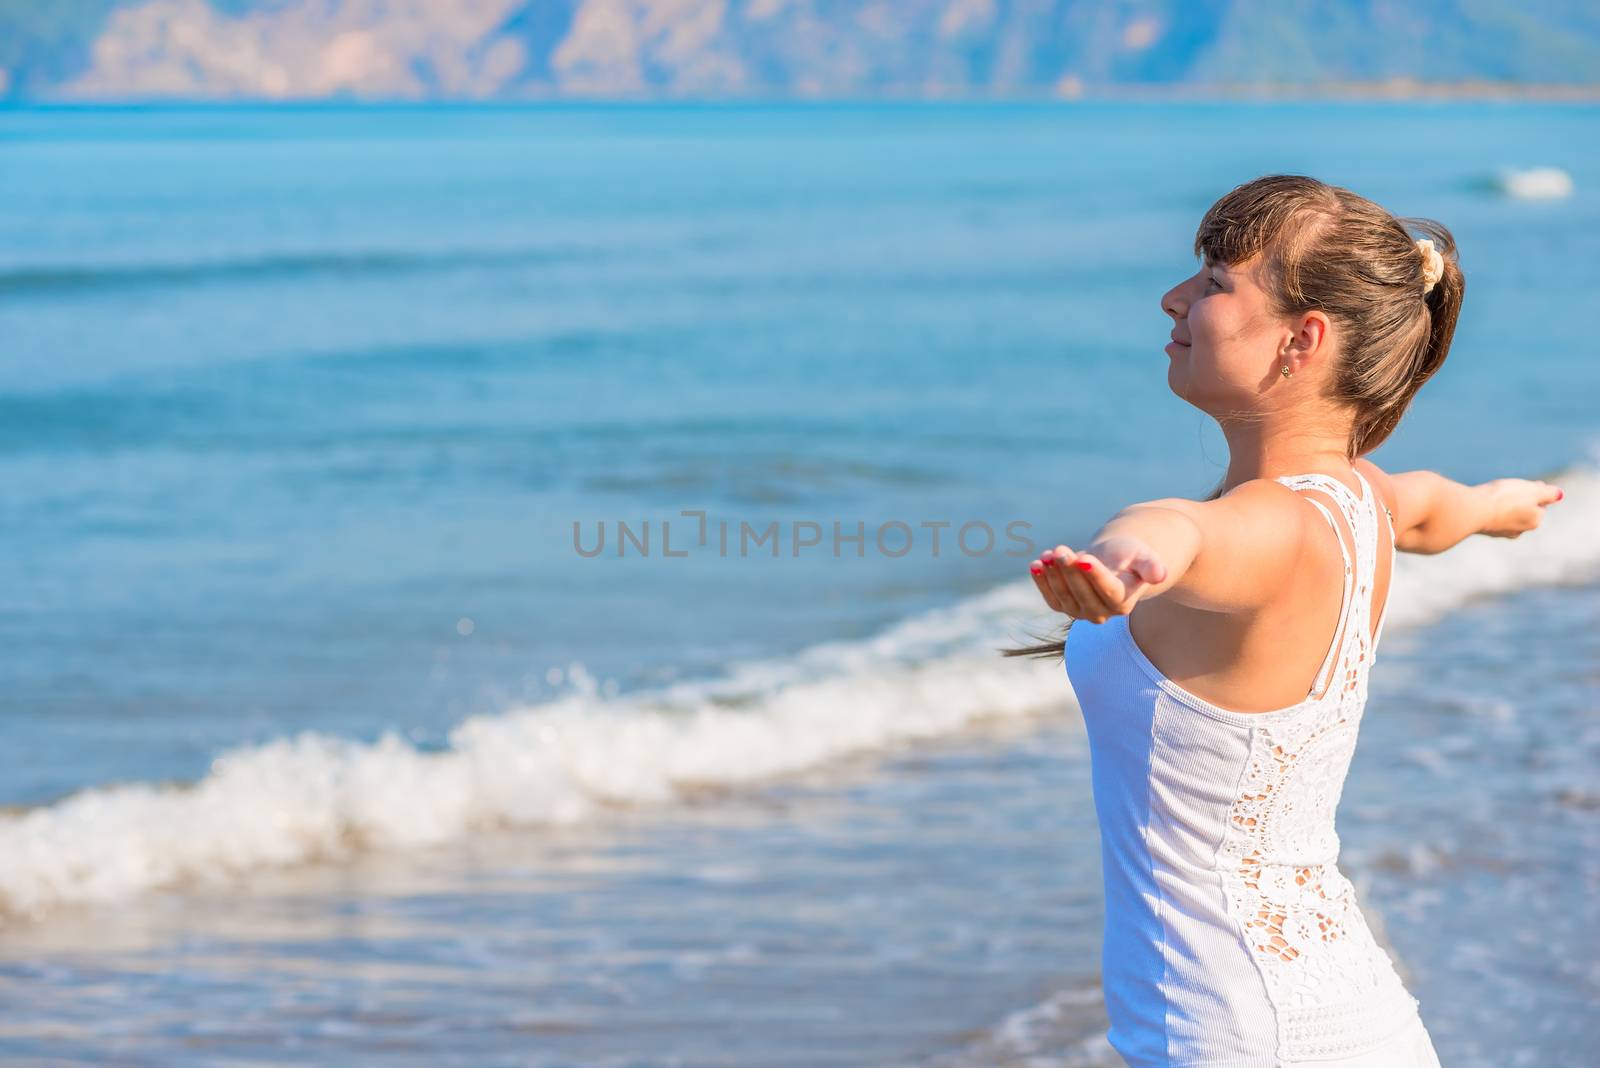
<point x="1325" y="248"/>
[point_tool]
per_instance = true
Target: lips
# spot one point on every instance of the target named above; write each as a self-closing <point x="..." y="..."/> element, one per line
<point x="1176" y="341"/>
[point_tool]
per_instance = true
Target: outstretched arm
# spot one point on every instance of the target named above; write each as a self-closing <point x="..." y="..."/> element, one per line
<point x="1226" y="555"/>
<point x="1433" y="513"/>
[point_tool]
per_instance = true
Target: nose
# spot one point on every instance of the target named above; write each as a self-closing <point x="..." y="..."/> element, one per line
<point x="1174" y="303"/>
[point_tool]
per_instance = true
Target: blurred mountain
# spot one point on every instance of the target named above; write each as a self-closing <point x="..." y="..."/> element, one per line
<point x="207" y="49"/>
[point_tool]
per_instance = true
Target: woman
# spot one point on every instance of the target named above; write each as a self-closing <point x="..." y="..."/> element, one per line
<point x="1222" y="714"/>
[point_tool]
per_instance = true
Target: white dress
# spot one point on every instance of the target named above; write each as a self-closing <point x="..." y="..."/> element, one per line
<point x="1232" y="939"/>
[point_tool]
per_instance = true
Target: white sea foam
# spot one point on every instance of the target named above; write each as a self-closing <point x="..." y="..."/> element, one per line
<point x="1536" y="183"/>
<point x="313" y="796"/>
<point x="1565" y="549"/>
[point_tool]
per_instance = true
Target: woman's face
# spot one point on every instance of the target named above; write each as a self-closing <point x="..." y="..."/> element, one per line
<point x="1226" y="338"/>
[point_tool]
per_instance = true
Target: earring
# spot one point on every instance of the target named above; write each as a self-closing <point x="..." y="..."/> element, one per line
<point x="1286" y="371"/>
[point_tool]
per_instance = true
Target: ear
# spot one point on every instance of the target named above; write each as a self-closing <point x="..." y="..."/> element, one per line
<point x="1312" y="337"/>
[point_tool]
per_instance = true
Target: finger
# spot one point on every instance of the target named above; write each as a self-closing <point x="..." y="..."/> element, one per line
<point x="1085" y="602"/>
<point x="1551" y="494"/>
<point x="1036" y="569"/>
<point x="1055" y="574"/>
<point x="1061" y="577"/>
<point x="1115" y="588"/>
<point x="1143" y="569"/>
<point x="1096" y="607"/>
<point x="1148" y="567"/>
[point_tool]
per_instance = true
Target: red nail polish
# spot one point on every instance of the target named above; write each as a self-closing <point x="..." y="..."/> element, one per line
<point x="1560" y="493"/>
<point x="1085" y="565"/>
<point x="1050" y="562"/>
<point x="1037" y="569"/>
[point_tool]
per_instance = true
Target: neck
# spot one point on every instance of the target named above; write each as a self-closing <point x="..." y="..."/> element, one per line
<point x="1270" y="448"/>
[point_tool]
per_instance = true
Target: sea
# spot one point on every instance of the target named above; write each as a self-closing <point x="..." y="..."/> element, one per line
<point x="522" y="585"/>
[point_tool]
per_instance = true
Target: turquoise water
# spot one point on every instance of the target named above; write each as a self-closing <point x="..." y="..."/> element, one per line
<point x="298" y="409"/>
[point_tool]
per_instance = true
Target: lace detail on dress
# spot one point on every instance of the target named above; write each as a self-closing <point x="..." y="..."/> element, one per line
<point x="1278" y="857"/>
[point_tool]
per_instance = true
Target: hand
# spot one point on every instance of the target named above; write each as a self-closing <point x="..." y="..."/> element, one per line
<point x="1518" y="505"/>
<point x="1116" y="576"/>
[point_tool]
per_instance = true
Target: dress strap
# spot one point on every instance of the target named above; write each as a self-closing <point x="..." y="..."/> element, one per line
<point x="1377" y="501"/>
<point x="1341" y="631"/>
<point x="1394" y="553"/>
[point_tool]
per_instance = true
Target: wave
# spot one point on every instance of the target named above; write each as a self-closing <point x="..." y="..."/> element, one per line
<point x="1535" y="183"/>
<point x="316" y="797"/>
<point x="68" y="277"/>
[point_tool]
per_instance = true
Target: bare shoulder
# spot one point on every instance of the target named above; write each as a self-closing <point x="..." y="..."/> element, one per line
<point x="1382" y="484"/>
<point x="1250" y="541"/>
<point x="1410" y="496"/>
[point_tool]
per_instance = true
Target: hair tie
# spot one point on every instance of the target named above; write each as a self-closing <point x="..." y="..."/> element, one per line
<point x="1432" y="265"/>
